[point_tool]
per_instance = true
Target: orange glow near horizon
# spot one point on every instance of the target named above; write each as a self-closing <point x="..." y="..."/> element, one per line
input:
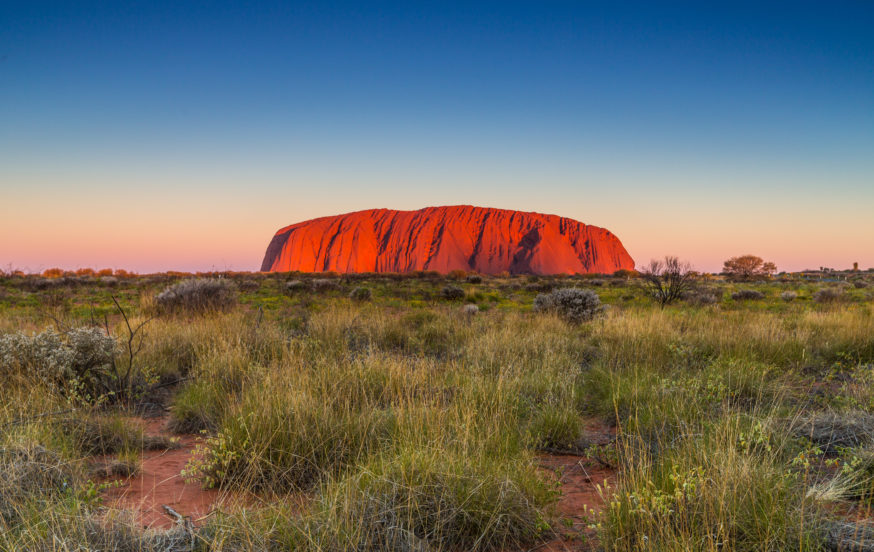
<point x="228" y="232"/>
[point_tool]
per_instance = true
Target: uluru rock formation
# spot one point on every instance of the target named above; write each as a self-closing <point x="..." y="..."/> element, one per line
<point x="462" y="237"/>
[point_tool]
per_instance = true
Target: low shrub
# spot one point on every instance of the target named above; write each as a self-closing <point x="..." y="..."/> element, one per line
<point x="474" y="279"/>
<point x="703" y="296"/>
<point x="828" y="295"/>
<point x="361" y="294"/>
<point x="572" y="304"/>
<point x="788" y="296"/>
<point x="294" y="286"/>
<point x="452" y="293"/>
<point x="469" y="309"/>
<point x="747" y="295"/>
<point x="98" y="435"/>
<point x="325" y="284"/>
<point x="200" y="295"/>
<point x="78" y="363"/>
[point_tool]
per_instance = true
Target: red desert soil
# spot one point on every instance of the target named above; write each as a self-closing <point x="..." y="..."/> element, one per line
<point x="159" y="482"/>
<point x="579" y="481"/>
<point x="443" y="239"/>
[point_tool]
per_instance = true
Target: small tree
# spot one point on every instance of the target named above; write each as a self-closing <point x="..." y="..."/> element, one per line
<point x="748" y="267"/>
<point x="668" y="279"/>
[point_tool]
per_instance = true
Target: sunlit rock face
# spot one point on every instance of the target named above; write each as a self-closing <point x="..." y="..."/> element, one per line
<point x="442" y="239"/>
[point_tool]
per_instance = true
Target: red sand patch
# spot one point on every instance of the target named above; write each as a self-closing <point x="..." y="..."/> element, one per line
<point x="579" y="481"/>
<point x="160" y="482"/>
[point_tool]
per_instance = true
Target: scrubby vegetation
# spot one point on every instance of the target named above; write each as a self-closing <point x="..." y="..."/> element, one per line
<point x="572" y="304"/>
<point x="382" y="412"/>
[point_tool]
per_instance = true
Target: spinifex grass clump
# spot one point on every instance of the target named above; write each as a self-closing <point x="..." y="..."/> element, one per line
<point x="289" y="434"/>
<point x="30" y="475"/>
<point x="198" y="296"/>
<point x="406" y="424"/>
<point x="573" y="304"/>
<point x="423" y="499"/>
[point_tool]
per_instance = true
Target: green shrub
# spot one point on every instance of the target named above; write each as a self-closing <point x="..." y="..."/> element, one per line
<point x="828" y="295"/>
<point x="452" y="293"/>
<point x="360" y="294"/>
<point x="747" y="295"/>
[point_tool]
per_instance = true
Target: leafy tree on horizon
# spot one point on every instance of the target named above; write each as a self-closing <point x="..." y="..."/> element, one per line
<point x="748" y="267"/>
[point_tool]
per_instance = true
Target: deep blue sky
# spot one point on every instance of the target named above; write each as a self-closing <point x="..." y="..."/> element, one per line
<point x="193" y="130"/>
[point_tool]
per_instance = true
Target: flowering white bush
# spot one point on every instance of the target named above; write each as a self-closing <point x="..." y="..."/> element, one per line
<point x="573" y="304"/>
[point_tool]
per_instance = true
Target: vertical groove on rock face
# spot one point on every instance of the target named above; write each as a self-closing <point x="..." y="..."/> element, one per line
<point x="444" y="239"/>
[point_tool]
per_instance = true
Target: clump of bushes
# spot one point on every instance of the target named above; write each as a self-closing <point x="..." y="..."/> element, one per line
<point x="452" y="293"/>
<point x="77" y="362"/>
<point x="294" y="286"/>
<point x="703" y="296"/>
<point x="747" y="295"/>
<point x="572" y="304"/>
<point x="325" y="284"/>
<point x="788" y="296"/>
<point x="828" y="295"/>
<point x="860" y="284"/>
<point x="474" y="279"/>
<point x="361" y="294"/>
<point x="198" y="295"/>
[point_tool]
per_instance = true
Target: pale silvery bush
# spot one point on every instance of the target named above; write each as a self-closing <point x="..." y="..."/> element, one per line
<point x="361" y="294"/>
<point x="828" y="295"/>
<point x="747" y="295"/>
<point x="80" y="358"/>
<point x="197" y="295"/>
<point x="788" y="296"/>
<point x="573" y="304"/>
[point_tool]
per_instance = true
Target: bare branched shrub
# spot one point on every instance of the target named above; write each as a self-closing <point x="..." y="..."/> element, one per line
<point x="573" y="304"/>
<point x="452" y="293"/>
<point x="361" y="294"/>
<point x="668" y="280"/>
<point x="747" y="295"/>
<point x="199" y="295"/>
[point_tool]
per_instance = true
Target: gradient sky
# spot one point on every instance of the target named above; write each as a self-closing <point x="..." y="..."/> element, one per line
<point x="156" y="136"/>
